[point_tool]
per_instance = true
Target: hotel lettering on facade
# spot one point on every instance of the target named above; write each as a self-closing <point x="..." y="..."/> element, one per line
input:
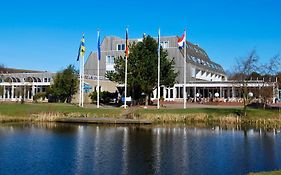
<point x="205" y="78"/>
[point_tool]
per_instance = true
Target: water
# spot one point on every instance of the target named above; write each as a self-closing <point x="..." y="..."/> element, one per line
<point x="90" y="149"/>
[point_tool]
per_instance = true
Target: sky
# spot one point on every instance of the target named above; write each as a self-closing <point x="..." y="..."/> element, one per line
<point x="45" y="35"/>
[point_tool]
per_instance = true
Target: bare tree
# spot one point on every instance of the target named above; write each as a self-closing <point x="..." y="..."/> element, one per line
<point x="269" y="71"/>
<point x="272" y="67"/>
<point x="248" y="68"/>
<point x="1" y="79"/>
<point x="243" y="68"/>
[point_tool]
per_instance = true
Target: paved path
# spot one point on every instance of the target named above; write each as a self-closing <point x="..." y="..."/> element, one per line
<point x="197" y="105"/>
<point x="179" y="105"/>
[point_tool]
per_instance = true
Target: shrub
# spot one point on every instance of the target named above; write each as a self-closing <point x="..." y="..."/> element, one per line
<point x="39" y="95"/>
<point x="105" y="96"/>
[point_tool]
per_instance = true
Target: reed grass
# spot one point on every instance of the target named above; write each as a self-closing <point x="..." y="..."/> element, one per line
<point x="13" y="112"/>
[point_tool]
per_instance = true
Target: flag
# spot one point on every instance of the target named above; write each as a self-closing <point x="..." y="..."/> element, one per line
<point x="127" y="44"/>
<point x="159" y="45"/>
<point x="181" y="41"/>
<point x="82" y="48"/>
<point x="99" y="51"/>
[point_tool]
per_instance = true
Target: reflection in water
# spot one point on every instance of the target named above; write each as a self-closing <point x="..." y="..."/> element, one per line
<point x="79" y="149"/>
<point x="96" y="148"/>
<point x="125" y="151"/>
<point x="51" y="148"/>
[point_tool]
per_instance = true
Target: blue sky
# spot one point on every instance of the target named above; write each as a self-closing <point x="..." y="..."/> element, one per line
<point x="44" y="35"/>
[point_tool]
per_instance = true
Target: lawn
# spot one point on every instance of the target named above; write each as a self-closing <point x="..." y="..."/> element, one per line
<point x="25" y="110"/>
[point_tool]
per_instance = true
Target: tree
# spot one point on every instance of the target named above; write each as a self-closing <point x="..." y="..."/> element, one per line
<point x="142" y="69"/>
<point x="244" y="68"/>
<point x="272" y="67"/>
<point x="65" y="85"/>
<point x="1" y="79"/>
<point x="270" y="72"/>
<point x="105" y="97"/>
<point x="248" y="69"/>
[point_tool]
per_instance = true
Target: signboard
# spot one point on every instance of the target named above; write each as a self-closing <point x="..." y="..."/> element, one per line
<point x="128" y="99"/>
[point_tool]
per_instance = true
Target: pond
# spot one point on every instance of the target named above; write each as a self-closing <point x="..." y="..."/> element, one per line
<point x="52" y="148"/>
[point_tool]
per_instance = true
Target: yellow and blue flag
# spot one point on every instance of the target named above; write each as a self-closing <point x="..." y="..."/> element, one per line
<point x="82" y="48"/>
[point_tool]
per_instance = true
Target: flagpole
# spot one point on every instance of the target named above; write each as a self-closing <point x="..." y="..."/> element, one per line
<point x="126" y="67"/>
<point x="158" y="87"/>
<point x="82" y="85"/>
<point x="98" y="56"/>
<point x="126" y="64"/>
<point x="184" y="72"/>
<point x="80" y="81"/>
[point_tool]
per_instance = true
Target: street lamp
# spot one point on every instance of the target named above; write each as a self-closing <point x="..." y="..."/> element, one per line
<point x="250" y="94"/>
<point x="217" y="95"/>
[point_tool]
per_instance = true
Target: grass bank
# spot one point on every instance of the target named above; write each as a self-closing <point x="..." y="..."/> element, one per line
<point x="255" y="117"/>
<point x="12" y="112"/>
<point x="51" y="112"/>
<point x="267" y="173"/>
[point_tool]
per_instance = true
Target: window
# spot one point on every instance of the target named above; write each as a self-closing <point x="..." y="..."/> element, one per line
<point x="177" y="92"/>
<point x="193" y="74"/>
<point x="194" y="59"/>
<point x="181" y="92"/>
<point x="164" y="44"/>
<point x="172" y="93"/>
<point x="120" y="47"/>
<point x="109" y="59"/>
<point x="109" y="62"/>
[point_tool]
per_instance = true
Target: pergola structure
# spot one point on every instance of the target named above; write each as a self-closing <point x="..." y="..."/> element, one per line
<point x="225" y="90"/>
<point x="23" y="86"/>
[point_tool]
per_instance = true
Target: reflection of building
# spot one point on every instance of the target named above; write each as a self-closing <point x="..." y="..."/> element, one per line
<point x="205" y="78"/>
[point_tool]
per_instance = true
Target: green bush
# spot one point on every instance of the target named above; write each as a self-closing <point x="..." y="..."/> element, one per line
<point x="93" y="96"/>
<point x="38" y="96"/>
<point x="105" y="97"/>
